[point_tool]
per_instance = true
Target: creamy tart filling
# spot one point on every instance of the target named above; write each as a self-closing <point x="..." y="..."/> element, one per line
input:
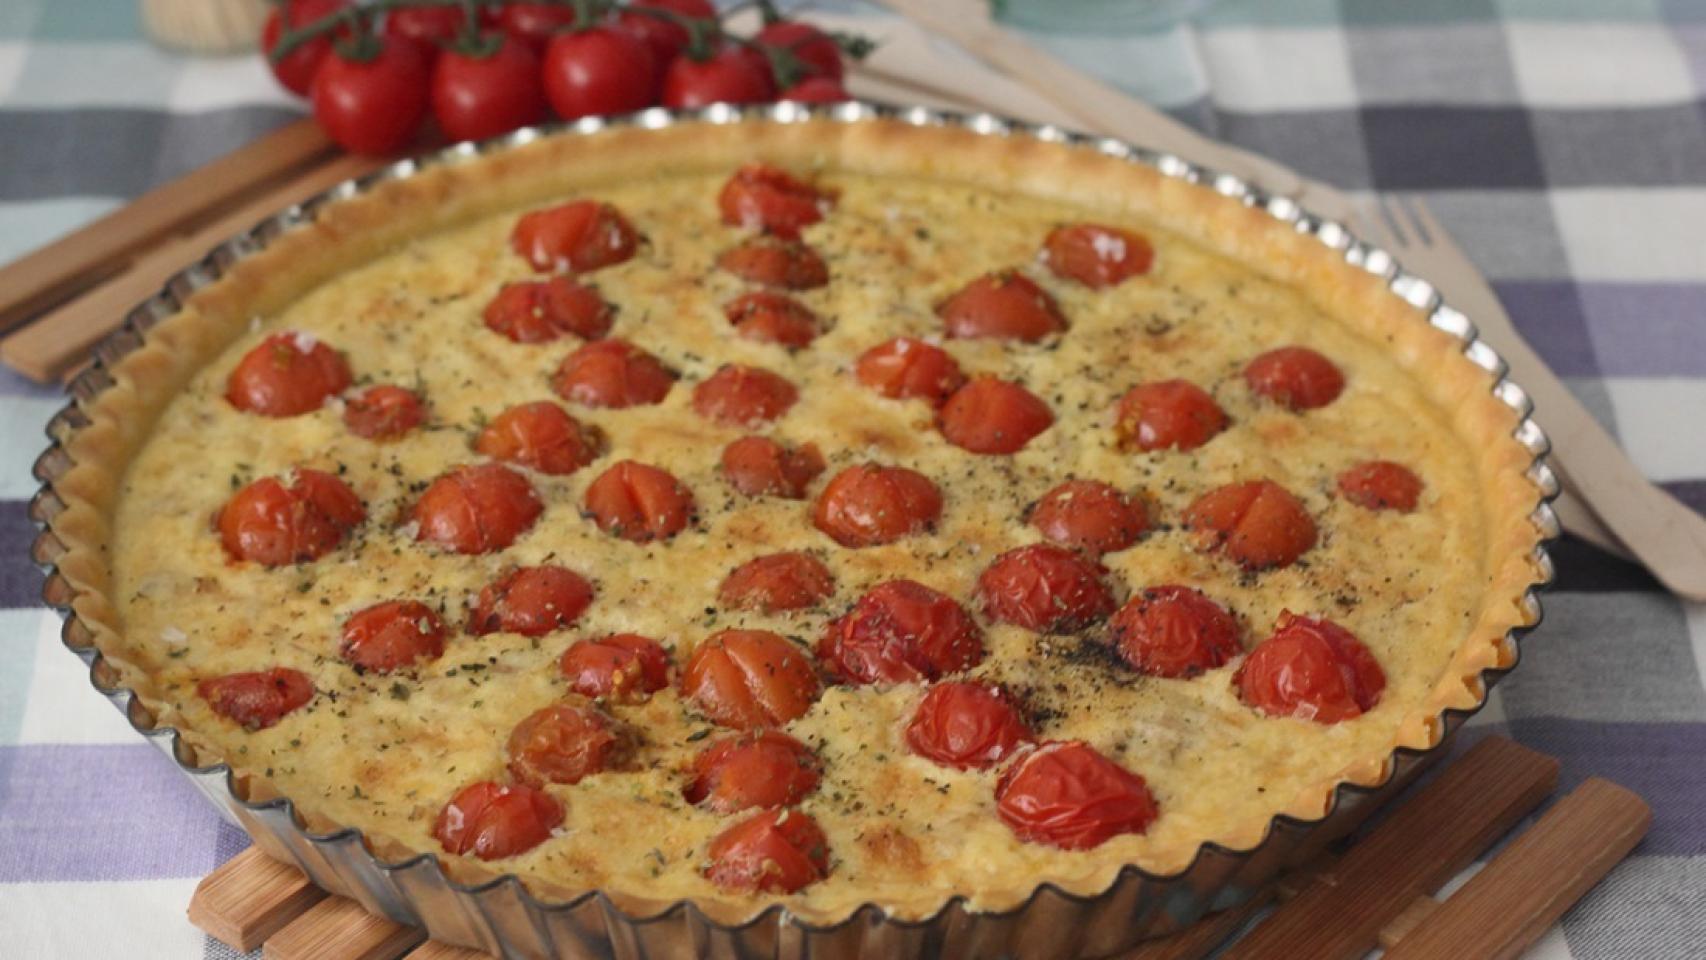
<point x="386" y="750"/>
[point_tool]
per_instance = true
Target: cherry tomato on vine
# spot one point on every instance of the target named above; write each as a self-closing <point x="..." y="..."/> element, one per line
<point x="535" y="23"/>
<point x="733" y="74"/>
<point x="659" y="32"/>
<point x="296" y="71"/>
<point x="816" y="50"/>
<point x="372" y="105"/>
<point x="816" y="90"/>
<point x="431" y="27"/>
<point x="486" y="91"/>
<point x="599" y="71"/>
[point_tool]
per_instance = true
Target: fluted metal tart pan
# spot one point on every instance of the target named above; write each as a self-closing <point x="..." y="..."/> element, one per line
<point x="504" y="917"/>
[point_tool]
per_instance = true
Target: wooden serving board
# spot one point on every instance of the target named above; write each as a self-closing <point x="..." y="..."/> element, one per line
<point x="1378" y="892"/>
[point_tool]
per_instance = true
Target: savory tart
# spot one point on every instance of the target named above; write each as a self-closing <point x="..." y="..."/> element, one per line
<point x="815" y="513"/>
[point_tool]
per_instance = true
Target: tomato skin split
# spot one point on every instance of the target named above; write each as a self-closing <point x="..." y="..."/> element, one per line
<point x="1044" y="588"/>
<point x="1064" y="794"/>
<point x="966" y="725"/>
<point x="1312" y="669"/>
<point x="493" y="821"/>
<point x="749" y="679"/>
<point x="1258" y="524"/>
<point x="765" y="198"/>
<point x="765" y="769"/>
<point x="639" y="503"/>
<point x="624" y="667"/>
<point x="901" y="631"/>
<point x="905" y="367"/>
<point x="275" y="523"/>
<point x="761" y="467"/>
<point x="287" y="374"/>
<point x="774" y="851"/>
<point x="1174" y="631"/>
<point x="870" y="504"/>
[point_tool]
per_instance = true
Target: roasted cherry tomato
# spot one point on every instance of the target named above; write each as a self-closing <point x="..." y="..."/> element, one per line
<point x="966" y="725"/>
<point x="869" y="504"/>
<point x="662" y="35"/>
<point x="561" y="743"/>
<point x="384" y="412"/>
<point x="1091" y="516"/>
<point x="535" y="23"/>
<point x="287" y="374"/>
<point x="579" y="236"/>
<point x="1257" y="524"/>
<point x="761" y="467"/>
<point x="374" y="105"/>
<point x="485" y="93"/>
<point x="296" y="71"/>
<point x="599" y="71"/>
<point x="1295" y="377"/>
<point x="1310" y="669"/>
<point x="749" y="679"/>
<point x="1381" y="485"/>
<point x="1067" y="795"/>
<point x="772" y="318"/>
<point x="258" y="699"/>
<point x="612" y="373"/>
<point x="273" y="524"/>
<point x="639" y="503"/>
<point x="1005" y="305"/>
<point x="1174" y="631"/>
<point x="740" y="396"/>
<point x="1044" y="588"/>
<point x="817" y="51"/>
<point x="476" y="509"/>
<point x="816" y="90"/>
<point x="1168" y="413"/>
<point x="621" y="666"/>
<point x="392" y="635"/>
<point x="761" y="769"/>
<point x="905" y="367"/>
<point x="775" y="851"/>
<point x="538" y="311"/>
<point x="538" y="435"/>
<point x="901" y="631"/>
<point x="731" y="74"/>
<point x="993" y="416"/>
<point x="1097" y="256"/>
<point x="774" y="262"/>
<point x="431" y="27"/>
<point x="493" y="821"/>
<point x="531" y="601"/>
<point x="777" y="582"/>
<point x="762" y="197"/>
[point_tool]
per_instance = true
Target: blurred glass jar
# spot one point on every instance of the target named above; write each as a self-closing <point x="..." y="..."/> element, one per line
<point x="1097" y="16"/>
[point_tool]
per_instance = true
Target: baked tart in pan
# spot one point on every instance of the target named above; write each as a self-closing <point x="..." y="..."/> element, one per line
<point x="777" y="527"/>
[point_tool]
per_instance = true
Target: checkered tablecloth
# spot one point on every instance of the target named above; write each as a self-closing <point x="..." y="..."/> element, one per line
<point x="1563" y="141"/>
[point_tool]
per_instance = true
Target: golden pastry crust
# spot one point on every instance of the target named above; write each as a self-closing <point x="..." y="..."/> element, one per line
<point x="1465" y="586"/>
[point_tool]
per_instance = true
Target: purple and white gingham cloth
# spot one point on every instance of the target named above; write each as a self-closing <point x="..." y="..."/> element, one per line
<point x="1562" y="141"/>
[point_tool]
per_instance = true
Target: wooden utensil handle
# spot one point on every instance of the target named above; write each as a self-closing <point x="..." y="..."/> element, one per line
<point x="76" y="261"/>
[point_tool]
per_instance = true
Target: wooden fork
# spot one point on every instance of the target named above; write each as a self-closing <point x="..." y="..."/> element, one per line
<point x="1666" y="536"/>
